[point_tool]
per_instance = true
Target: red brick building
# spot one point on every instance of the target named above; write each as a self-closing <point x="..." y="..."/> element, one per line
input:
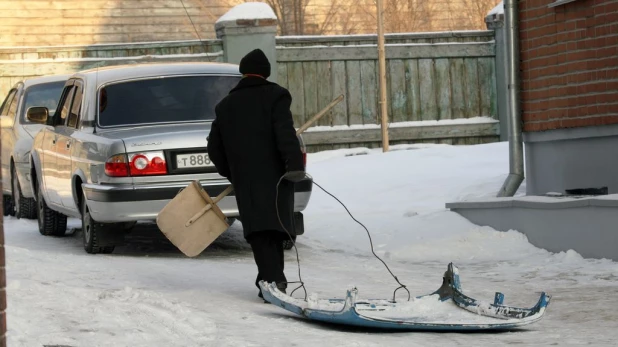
<point x="563" y="79"/>
<point x="569" y="94"/>
<point x="569" y="63"/>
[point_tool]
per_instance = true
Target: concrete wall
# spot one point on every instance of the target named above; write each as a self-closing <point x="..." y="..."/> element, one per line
<point x="240" y="35"/>
<point x="588" y="226"/>
<point x="567" y="159"/>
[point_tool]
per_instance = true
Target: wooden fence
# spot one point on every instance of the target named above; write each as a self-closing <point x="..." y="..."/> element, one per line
<point x="431" y="77"/>
<point x="436" y="81"/>
<point x="24" y="62"/>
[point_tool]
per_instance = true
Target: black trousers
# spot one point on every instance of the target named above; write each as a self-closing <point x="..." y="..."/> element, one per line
<point x="267" y="249"/>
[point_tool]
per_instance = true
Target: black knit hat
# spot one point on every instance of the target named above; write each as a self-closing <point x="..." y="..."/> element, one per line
<point x="255" y="63"/>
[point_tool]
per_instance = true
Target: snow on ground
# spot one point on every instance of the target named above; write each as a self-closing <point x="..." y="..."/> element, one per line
<point x="148" y="294"/>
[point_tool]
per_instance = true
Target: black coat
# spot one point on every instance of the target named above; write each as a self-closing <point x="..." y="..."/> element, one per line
<point x="252" y="143"/>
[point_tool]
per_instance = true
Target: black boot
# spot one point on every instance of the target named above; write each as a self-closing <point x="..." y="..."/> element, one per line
<point x="282" y="286"/>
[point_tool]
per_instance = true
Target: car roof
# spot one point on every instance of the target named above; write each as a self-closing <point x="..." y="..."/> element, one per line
<point x="44" y="79"/>
<point x="113" y="73"/>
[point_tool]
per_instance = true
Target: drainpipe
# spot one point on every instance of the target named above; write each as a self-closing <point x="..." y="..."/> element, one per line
<point x="516" y="147"/>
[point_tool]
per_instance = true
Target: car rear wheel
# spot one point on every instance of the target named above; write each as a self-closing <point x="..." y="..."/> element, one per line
<point x="94" y="232"/>
<point x="7" y="205"/>
<point x="128" y="226"/>
<point x="51" y="223"/>
<point x="289" y="244"/>
<point x="24" y="207"/>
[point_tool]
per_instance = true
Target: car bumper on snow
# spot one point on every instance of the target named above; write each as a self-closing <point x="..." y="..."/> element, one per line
<point x="109" y="204"/>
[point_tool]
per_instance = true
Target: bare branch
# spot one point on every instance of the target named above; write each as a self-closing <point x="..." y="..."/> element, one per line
<point x="322" y="17"/>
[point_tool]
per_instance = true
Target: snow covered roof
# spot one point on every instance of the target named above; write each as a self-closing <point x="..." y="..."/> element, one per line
<point x="248" y="10"/>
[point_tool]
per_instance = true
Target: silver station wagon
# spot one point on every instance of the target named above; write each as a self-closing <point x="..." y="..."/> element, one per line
<point x="123" y="142"/>
<point x="17" y="136"/>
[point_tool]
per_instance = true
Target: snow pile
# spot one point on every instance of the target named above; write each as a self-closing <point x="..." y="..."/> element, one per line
<point x="400" y="197"/>
<point x="248" y="10"/>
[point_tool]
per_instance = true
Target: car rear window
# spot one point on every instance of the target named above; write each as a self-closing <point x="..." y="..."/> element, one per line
<point x="42" y="95"/>
<point x="162" y="100"/>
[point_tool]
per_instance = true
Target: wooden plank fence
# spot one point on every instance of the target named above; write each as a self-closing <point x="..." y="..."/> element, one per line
<point x="19" y="63"/>
<point x="438" y="80"/>
<point x="404" y="132"/>
<point x="431" y="77"/>
<point x="392" y="38"/>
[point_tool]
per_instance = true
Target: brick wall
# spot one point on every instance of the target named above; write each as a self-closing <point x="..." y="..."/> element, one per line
<point x="569" y="63"/>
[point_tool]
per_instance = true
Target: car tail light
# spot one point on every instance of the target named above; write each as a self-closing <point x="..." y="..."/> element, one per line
<point x="304" y="159"/>
<point x="117" y="166"/>
<point x="147" y="164"/>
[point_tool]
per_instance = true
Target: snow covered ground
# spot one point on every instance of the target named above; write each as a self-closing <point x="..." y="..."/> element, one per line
<point x="148" y="294"/>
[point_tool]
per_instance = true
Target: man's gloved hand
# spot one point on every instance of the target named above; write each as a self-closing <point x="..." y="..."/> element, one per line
<point x="294" y="176"/>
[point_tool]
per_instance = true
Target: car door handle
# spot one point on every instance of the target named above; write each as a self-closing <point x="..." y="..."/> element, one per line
<point x="68" y="145"/>
<point x="53" y="141"/>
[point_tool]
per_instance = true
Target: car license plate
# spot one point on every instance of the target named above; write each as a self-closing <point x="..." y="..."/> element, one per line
<point x="192" y="160"/>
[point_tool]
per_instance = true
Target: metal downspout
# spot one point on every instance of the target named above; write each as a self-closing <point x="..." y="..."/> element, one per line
<point x="516" y="148"/>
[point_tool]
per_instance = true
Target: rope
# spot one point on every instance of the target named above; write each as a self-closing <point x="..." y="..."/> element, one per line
<point x="361" y="224"/>
<point x="302" y="284"/>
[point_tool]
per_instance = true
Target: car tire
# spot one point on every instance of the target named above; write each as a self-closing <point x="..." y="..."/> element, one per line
<point x="23" y="207"/>
<point x="289" y="244"/>
<point x="128" y="226"/>
<point x="51" y="223"/>
<point x="7" y="205"/>
<point x="92" y="232"/>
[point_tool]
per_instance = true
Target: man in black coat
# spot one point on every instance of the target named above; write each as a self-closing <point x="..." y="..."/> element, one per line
<point x="253" y="143"/>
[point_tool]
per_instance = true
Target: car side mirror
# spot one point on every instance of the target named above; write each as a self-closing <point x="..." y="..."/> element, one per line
<point x="38" y="115"/>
